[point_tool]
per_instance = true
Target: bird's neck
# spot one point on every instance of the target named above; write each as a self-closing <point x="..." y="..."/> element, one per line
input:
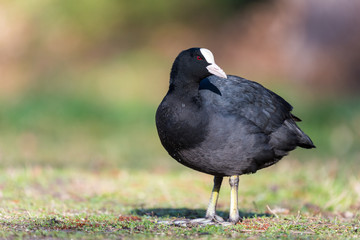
<point x="184" y="87"/>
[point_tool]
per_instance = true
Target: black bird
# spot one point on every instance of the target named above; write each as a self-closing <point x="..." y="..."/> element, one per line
<point x="223" y="125"/>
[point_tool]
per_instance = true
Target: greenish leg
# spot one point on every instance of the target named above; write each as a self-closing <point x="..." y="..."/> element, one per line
<point x="234" y="212"/>
<point x="211" y="211"/>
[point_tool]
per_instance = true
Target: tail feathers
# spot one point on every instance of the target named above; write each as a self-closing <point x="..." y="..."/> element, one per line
<point x="295" y="118"/>
<point x="305" y="141"/>
<point x="287" y="138"/>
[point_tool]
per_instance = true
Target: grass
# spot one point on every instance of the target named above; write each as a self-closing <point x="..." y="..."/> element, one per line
<point x="83" y="131"/>
<point x="290" y="200"/>
<point x="80" y="167"/>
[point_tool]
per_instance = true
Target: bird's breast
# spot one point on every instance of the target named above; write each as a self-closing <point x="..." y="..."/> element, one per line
<point x="180" y="126"/>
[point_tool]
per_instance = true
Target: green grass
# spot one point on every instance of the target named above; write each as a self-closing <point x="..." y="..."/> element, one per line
<point x="70" y="130"/>
<point x="78" y="167"/>
<point x="62" y="131"/>
<point x="290" y="200"/>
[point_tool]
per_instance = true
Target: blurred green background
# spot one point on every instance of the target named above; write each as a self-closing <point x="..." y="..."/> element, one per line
<point x="81" y="80"/>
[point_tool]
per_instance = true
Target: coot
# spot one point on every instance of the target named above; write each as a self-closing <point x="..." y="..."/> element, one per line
<point x="223" y="125"/>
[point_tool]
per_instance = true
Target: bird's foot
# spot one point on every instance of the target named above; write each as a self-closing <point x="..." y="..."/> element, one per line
<point x="234" y="220"/>
<point x="208" y="220"/>
<point x="211" y="220"/>
<point x="217" y="219"/>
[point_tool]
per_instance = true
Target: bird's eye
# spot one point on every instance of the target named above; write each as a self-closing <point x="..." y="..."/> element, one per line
<point x="199" y="58"/>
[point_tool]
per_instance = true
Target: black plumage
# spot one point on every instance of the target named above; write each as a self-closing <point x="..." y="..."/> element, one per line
<point x="224" y="126"/>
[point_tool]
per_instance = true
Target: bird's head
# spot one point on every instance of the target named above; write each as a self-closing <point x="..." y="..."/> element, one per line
<point x="196" y="63"/>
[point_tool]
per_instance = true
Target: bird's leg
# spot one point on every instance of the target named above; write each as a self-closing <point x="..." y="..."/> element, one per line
<point x="211" y="217"/>
<point x="211" y="211"/>
<point x="234" y="212"/>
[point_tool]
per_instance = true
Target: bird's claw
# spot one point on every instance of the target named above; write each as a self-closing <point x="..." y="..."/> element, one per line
<point x="217" y="218"/>
<point x="213" y="220"/>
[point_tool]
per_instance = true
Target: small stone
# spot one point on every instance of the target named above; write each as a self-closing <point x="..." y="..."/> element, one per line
<point x="348" y="214"/>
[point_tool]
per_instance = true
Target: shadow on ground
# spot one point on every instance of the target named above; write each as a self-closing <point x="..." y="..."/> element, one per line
<point x="189" y="213"/>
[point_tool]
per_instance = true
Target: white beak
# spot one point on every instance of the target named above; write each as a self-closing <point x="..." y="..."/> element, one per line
<point x="216" y="70"/>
